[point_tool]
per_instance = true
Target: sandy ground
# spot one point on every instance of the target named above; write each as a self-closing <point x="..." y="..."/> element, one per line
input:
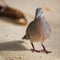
<point x="12" y="47"/>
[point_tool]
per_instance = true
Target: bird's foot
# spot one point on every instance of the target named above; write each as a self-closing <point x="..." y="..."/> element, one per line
<point x="33" y="50"/>
<point x="46" y="51"/>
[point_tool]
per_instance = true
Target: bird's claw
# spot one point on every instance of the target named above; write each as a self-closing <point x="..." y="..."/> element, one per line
<point x="33" y="50"/>
<point x="46" y="51"/>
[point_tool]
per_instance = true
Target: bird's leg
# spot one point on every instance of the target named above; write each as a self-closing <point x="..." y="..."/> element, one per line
<point x="34" y="50"/>
<point x="44" y="49"/>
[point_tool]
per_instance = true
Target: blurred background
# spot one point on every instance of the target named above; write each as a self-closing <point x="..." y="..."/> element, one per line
<point x="12" y="47"/>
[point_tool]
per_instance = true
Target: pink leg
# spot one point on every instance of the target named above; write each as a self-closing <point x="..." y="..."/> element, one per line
<point x="34" y="50"/>
<point x="44" y="50"/>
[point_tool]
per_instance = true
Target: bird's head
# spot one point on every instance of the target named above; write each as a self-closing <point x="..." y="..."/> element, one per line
<point x="39" y="12"/>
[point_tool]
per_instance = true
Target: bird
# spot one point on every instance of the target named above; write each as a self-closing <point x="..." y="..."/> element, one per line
<point x="38" y="31"/>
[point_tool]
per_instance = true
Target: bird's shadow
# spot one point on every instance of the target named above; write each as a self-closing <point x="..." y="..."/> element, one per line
<point x="12" y="46"/>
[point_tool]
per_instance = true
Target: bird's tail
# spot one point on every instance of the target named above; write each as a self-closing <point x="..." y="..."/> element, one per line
<point x="25" y="37"/>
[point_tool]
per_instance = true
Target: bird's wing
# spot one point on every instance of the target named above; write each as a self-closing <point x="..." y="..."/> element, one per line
<point x="32" y="28"/>
<point x="29" y="28"/>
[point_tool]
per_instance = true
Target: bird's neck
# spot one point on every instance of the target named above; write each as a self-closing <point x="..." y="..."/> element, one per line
<point x="39" y="18"/>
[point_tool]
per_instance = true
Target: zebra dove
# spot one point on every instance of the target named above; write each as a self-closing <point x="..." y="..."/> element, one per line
<point x="38" y="30"/>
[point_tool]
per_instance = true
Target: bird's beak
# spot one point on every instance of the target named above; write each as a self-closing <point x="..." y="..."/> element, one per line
<point x="38" y="14"/>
